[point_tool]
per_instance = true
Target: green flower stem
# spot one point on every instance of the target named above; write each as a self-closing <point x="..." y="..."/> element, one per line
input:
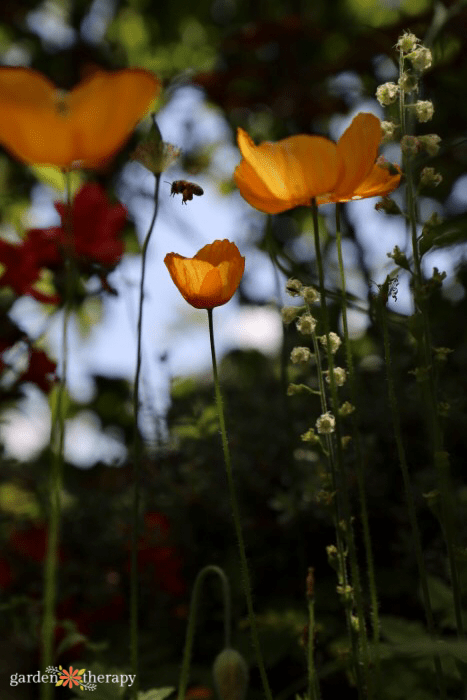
<point x="190" y="632"/>
<point x="57" y="444"/>
<point x="360" y="466"/>
<point x="342" y="493"/>
<point x="137" y="455"/>
<point x="236" y="517"/>
<point x="409" y="496"/>
<point x="428" y="385"/>
<point x="313" y="683"/>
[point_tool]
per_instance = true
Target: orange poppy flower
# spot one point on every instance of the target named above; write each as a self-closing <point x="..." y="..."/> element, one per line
<point x="41" y="125"/>
<point x="274" y="177"/>
<point x="210" y="278"/>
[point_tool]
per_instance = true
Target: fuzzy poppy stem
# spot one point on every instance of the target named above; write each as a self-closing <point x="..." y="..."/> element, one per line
<point x="360" y="465"/>
<point x="137" y="455"/>
<point x="190" y="632"/>
<point x="57" y="443"/>
<point x="236" y="517"/>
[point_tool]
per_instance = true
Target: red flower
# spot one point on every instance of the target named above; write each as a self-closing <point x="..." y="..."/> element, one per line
<point x="23" y="268"/>
<point x="32" y="543"/>
<point x="95" y="225"/>
<point x="40" y="367"/>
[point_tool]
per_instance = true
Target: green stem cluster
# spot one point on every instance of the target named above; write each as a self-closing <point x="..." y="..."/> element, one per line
<point x="427" y="375"/>
<point x="408" y="494"/>
<point x="360" y="466"/>
<point x="359" y="639"/>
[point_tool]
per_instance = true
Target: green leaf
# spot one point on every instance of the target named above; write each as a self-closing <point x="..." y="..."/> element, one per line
<point x="155" y="694"/>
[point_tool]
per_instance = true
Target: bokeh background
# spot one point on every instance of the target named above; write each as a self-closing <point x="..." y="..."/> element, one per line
<point x="274" y="68"/>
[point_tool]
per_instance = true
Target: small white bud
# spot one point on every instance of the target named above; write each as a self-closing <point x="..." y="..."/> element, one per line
<point x="290" y="313"/>
<point x="326" y="424"/>
<point x="424" y="110"/>
<point x="346" y="409"/>
<point x="408" y="82"/>
<point x="430" y="143"/>
<point x="421" y="58"/>
<point x="310" y="295"/>
<point x="293" y="287"/>
<point x="407" y="42"/>
<point x="410" y="145"/>
<point x="340" y="376"/>
<point x="388" y="129"/>
<point x="430" y="178"/>
<point x="387" y="94"/>
<point x="300" y="355"/>
<point x="306" y="324"/>
<point x="334" y="342"/>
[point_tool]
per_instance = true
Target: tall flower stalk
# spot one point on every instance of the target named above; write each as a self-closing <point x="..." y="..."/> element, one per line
<point x="237" y="519"/>
<point x="359" y="462"/>
<point x="57" y="443"/>
<point x="414" y="59"/>
<point x="360" y="652"/>
<point x="137" y="455"/>
<point x="207" y="280"/>
<point x="382" y="298"/>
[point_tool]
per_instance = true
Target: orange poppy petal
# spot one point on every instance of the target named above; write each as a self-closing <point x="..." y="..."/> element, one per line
<point x="218" y="252"/>
<point x="291" y="171"/>
<point x="358" y="148"/>
<point x="380" y="182"/>
<point x="29" y="122"/>
<point x="211" y="277"/>
<point x="255" y="192"/>
<point x="40" y="125"/>
<point x="104" y="110"/>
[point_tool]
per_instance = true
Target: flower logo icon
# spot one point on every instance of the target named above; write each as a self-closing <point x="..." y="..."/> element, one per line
<point x="70" y="677"/>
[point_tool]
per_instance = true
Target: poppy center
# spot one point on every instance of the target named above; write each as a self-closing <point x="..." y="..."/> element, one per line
<point x="61" y="103"/>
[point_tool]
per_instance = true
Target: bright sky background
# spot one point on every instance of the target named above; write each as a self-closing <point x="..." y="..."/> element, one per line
<point x="171" y="326"/>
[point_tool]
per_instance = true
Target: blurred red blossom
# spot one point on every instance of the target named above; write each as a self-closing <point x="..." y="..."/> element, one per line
<point x="40" y="370"/>
<point x="159" y="559"/>
<point x="89" y="233"/>
<point x="95" y="225"/>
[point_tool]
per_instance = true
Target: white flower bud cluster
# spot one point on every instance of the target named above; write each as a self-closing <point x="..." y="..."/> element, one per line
<point x="310" y="295"/>
<point x="430" y="178"/>
<point x="340" y="376"/>
<point x="388" y="129"/>
<point x="421" y="59"/>
<point x="290" y="313"/>
<point x="346" y="409"/>
<point x="407" y="42"/>
<point x="294" y="287"/>
<point x="387" y="94"/>
<point x="300" y="355"/>
<point x="424" y="110"/>
<point x="326" y="423"/>
<point x="334" y="342"/>
<point x="306" y="324"/>
<point x="430" y="143"/>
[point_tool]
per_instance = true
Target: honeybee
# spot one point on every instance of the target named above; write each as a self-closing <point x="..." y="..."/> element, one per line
<point x="187" y="189"/>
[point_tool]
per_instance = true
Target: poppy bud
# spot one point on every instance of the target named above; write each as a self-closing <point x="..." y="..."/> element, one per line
<point x="230" y="675"/>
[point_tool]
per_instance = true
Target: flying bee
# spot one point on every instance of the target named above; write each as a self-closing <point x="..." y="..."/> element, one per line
<point x="187" y="189"/>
